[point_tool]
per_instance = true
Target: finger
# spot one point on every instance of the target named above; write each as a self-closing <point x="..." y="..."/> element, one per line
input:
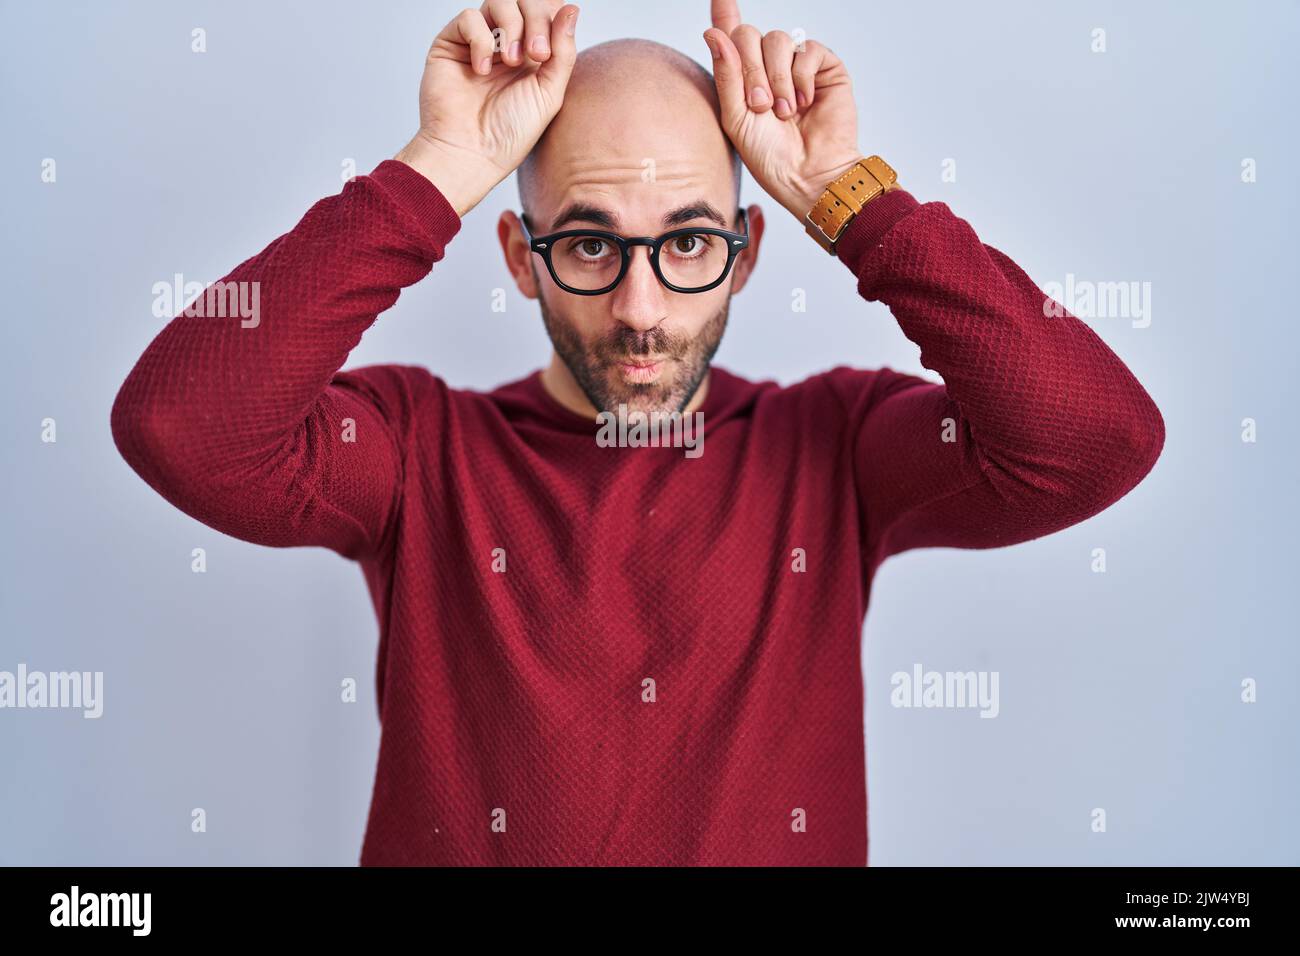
<point x="750" y="44"/>
<point x="507" y="26"/>
<point x="539" y="17"/>
<point x="553" y="75"/>
<point x="725" y="14"/>
<point x="814" y="58"/>
<point x="470" y="30"/>
<point x="727" y="76"/>
<point x="778" y="58"/>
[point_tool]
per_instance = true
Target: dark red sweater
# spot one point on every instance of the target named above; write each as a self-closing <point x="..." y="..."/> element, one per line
<point x="520" y="698"/>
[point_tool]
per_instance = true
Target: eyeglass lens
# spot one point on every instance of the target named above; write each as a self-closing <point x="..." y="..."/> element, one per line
<point x="689" y="261"/>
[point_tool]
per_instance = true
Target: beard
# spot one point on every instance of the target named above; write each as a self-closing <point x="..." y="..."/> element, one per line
<point x="596" y="365"/>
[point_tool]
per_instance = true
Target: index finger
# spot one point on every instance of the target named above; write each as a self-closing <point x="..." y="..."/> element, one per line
<point x="726" y="15"/>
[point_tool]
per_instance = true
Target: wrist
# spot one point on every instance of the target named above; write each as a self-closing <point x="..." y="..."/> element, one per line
<point x="461" y="176"/>
<point x="804" y="195"/>
<point x="846" y="197"/>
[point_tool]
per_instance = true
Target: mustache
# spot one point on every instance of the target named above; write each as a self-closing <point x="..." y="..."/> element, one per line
<point x="624" y="342"/>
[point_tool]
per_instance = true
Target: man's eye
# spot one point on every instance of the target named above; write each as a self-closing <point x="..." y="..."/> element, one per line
<point x="689" y="245"/>
<point x="589" y="247"/>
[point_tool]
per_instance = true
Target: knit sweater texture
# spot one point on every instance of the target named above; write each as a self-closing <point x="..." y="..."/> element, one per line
<point x="626" y="655"/>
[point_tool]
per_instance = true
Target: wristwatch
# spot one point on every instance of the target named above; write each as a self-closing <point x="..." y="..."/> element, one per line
<point x="844" y="199"/>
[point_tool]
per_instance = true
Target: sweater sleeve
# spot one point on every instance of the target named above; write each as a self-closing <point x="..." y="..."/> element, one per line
<point x="240" y="417"/>
<point x="1037" y="425"/>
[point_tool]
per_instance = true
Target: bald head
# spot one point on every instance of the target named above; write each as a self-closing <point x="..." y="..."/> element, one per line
<point x="637" y="149"/>
<point x="632" y="108"/>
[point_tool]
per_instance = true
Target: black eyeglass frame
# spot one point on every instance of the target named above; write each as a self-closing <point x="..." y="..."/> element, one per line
<point x="736" y="241"/>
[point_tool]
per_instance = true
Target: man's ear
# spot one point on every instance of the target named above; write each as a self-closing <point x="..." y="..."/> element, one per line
<point x="748" y="257"/>
<point x="517" y="254"/>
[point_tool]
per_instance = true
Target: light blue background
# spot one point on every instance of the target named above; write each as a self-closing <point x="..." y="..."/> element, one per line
<point x="1118" y="691"/>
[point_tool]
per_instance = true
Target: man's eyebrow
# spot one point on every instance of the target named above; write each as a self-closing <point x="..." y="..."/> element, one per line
<point x="585" y="212"/>
<point x="696" y="210"/>
<point x="608" y="219"/>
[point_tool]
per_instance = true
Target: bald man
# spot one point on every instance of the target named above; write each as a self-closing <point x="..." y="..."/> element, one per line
<point x="602" y="639"/>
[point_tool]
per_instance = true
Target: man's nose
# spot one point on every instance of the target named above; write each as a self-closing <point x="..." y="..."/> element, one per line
<point x="639" y="300"/>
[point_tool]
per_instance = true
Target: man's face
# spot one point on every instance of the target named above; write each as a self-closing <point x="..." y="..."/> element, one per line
<point x="658" y="368"/>
<point x="634" y="163"/>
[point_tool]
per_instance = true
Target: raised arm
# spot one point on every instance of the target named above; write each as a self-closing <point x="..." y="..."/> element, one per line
<point x="237" y="412"/>
<point x="236" y="416"/>
<point x="1037" y="425"/>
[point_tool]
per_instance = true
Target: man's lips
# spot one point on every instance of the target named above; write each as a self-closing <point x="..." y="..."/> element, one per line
<point x="641" y="363"/>
<point x="640" y="370"/>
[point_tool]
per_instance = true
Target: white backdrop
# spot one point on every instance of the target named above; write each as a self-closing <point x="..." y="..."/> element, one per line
<point x="1119" y="690"/>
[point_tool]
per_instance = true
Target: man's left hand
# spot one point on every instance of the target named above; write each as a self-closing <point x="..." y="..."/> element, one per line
<point x="788" y="110"/>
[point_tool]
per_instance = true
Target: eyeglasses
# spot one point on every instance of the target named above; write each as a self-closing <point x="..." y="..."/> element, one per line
<point x="593" y="262"/>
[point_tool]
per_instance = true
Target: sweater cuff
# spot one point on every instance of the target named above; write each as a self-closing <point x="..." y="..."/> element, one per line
<point x="868" y="227"/>
<point x="420" y="198"/>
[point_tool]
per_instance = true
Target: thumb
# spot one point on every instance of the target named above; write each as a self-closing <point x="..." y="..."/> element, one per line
<point x="553" y="75"/>
<point x="728" y="77"/>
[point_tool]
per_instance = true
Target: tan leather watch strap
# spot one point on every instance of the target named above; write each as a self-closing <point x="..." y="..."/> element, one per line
<point x="844" y="199"/>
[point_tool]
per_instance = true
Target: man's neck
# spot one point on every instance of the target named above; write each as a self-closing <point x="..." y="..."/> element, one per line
<point x="564" y="388"/>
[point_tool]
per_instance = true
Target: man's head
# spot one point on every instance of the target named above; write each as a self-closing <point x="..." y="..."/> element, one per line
<point x="637" y="140"/>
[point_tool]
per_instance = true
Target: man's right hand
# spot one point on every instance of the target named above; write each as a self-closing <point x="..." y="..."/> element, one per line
<point x="484" y="102"/>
